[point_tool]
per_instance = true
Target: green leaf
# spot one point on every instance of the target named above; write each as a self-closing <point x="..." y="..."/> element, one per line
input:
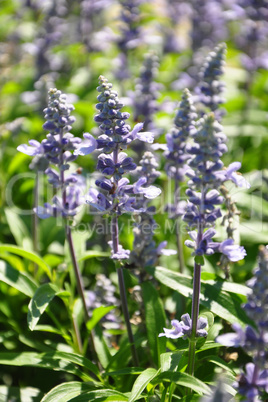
<point x="141" y="382"/>
<point x="199" y="259"/>
<point x="97" y="315"/>
<point x="17" y="279"/>
<point x="38" y="304"/>
<point x="93" y="254"/>
<point x="101" y="395"/>
<point x="185" y="380"/>
<point x="64" y="392"/>
<point x="209" y="345"/>
<point x="221" y="363"/>
<point x="155" y="320"/>
<point x="169" y="361"/>
<point x="101" y="347"/>
<point x="18" y="229"/>
<point x="126" y="371"/>
<point x="27" y="394"/>
<point x="50" y="361"/>
<point x="230" y="287"/>
<point x="219" y="302"/>
<point x="28" y="255"/>
<point x="122" y="357"/>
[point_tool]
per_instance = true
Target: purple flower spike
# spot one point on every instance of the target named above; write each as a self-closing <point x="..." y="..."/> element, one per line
<point x="174" y="333"/>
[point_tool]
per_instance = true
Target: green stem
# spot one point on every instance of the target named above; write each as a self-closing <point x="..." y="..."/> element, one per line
<point x="194" y="317"/>
<point x="178" y="224"/>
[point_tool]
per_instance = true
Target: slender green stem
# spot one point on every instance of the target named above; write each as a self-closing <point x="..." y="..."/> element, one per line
<point x="194" y="317"/>
<point x="178" y="224"/>
<point x="79" y="281"/>
<point x="35" y="220"/>
<point x="122" y="290"/>
<point x="121" y="282"/>
<point x="77" y="335"/>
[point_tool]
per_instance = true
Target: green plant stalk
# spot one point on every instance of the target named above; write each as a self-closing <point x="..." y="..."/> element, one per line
<point x="177" y="227"/>
<point x="120" y="274"/>
<point x="194" y="316"/>
<point x="122" y="290"/>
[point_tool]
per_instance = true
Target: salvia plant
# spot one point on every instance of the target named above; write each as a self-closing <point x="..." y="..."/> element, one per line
<point x="127" y="275"/>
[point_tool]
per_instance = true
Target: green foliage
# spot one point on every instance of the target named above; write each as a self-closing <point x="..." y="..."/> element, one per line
<point x="50" y="348"/>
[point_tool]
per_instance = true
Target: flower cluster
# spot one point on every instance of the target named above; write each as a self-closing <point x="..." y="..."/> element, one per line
<point x="209" y="89"/>
<point x="120" y="196"/>
<point x="183" y="328"/>
<point x="146" y="92"/>
<point x="95" y="34"/>
<point x="145" y="253"/>
<point x="208" y="24"/>
<point x="254" y="340"/>
<point x="206" y="176"/>
<point x="176" y="155"/>
<point x="130" y="36"/>
<point x="253" y="35"/>
<point x="57" y="150"/>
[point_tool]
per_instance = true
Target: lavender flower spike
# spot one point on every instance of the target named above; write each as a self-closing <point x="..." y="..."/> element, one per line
<point x="120" y="196"/>
<point x="210" y="89"/>
<point x="203" y="209"/>
<point x="58" y="150"/>
<point x="116" y="134"/>
<point x="177" y="157"/>
<point x="254" y="341"/>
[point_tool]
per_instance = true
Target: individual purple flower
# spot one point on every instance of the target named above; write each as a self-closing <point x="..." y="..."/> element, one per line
<point x="232" y="251"/>
<point x="252" y="383"/>
<point x="144" y="136"/>
<point x="174" y="333"/>
<point x="233" y="339"/>
<point x="162" y="250"/>
<point x="231" y="174"/>
<point x="150" y="192"/>
<point x="87" y="146"/>
<point x="35" y="148"/>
